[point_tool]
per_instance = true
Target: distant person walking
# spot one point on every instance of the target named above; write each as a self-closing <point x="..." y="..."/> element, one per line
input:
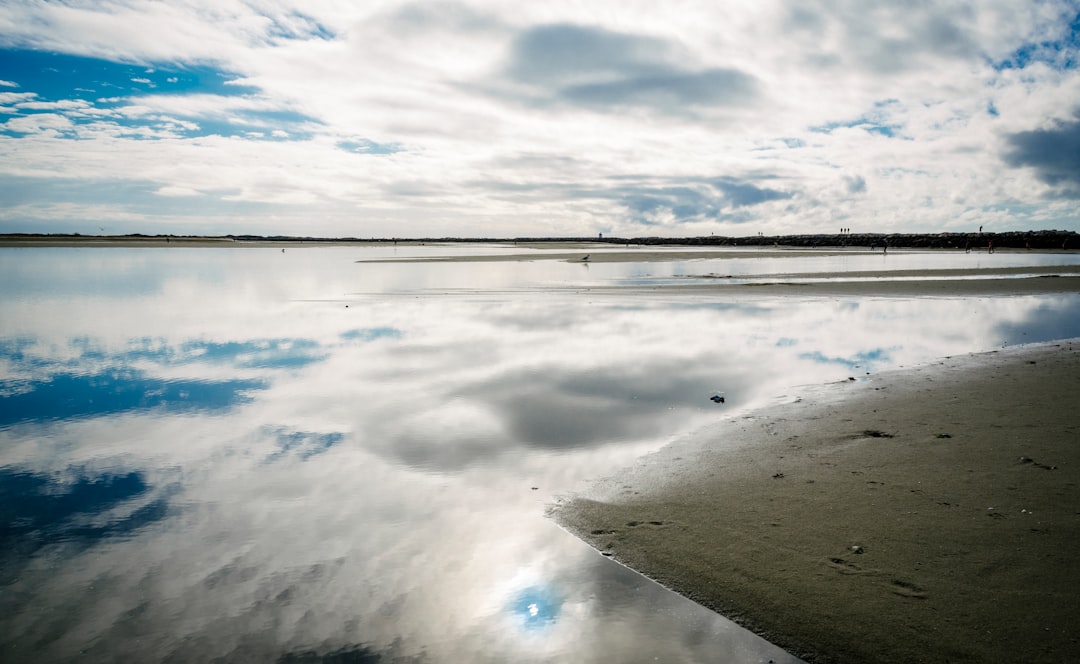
<point x="990" y="247"/>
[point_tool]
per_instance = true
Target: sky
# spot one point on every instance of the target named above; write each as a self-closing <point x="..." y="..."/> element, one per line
<point x="553" y="119"/>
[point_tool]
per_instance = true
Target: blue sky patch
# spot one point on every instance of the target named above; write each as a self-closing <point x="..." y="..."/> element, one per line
<point x="364" y="146"/>
<point x="250" y="354"/>
<point x="1062" y="53"/>
<point x="255" y="354"/>
<point x="1055" y="320"/>
<point x="32" y="501"/>
<point x="68" y="92"/>
<point x="297" y="25"/>
<point x="371" y="334"/>
<point x="863" y="360"/>
<point x="67" y="396"/>
<point x="37" y="509"/>
<point x="56" y="76"/>
<point x="867" y="125"/>
<point x="96" y="382"/>
<point x="107" y="379"/>
<point x="303" y="444"/>
<point x="536" y="607"/>
<point x="872" y="122"/>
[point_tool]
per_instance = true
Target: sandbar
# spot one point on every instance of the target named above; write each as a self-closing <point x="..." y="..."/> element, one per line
<point x="927" y="514"/>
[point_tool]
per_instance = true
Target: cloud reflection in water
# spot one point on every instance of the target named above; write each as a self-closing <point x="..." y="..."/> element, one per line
<point x="70" y="396"/>
<point x="36" y="509"/>
<point x="361" y="482"/>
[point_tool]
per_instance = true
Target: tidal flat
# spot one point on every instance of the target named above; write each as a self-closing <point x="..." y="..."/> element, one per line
<point x="253" y="454"/>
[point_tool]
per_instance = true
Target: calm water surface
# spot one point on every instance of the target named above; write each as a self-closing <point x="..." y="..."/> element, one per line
<point x="251" y="455"/>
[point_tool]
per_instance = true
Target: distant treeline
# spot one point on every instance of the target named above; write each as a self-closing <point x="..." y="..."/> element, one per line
<point x="1016" y="239"/>
<point x="1012" y="239"/>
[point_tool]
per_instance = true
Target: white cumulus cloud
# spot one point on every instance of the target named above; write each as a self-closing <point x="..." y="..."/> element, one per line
<point x="565" y="118"/>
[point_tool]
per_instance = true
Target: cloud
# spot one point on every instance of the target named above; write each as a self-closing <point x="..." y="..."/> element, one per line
<point x="886" y="38"/>
<point x="65" y="105"/>
<point x="176" y="191"/>
<point x="742" y="193"/>
<point x="100" y="395"/>
<point x="472" y="118"/>
<point x="603" y="70"/>
<point x="695" y="199"/>
<point x="856" y="184"/>
<point x="50" y="123"/>
<point x="162" y="106"/>
<point x="1054" y="153"/>
<point x="38" y="502"/>
<point x="190" y="32"/>
<point x="439" y="16"/>
<point x="366" y="146"/>
<point x="1057" y="46"/>
<point x="233" y="553"/>
<point x="9" y="98"/>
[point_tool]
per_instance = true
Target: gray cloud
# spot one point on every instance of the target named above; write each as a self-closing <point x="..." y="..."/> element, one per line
<point x="682" y="202"/>
<point x="741" y="193"/>
<point x="650" y="199"/>
<point x="597" y="68"/>
<point x="597" y="407"/>
<point x="856" y="184"/>
<point x="558" y="408"/>
<point x="1054" y="153"/>
<point x="423" y="16"/>
<point x="714" y="87"/>
<point x="883" y="37"/>
<point x="693" y="199"/>
<point x="559" y="54"/>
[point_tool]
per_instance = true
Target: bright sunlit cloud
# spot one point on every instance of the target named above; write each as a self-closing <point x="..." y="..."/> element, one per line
<point x="466" y="119"/>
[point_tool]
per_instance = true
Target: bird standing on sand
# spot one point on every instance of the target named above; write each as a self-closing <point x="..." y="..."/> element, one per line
<point x="586" y="257"/>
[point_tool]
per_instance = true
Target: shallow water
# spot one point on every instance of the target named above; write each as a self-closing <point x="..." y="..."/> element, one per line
<point x="255" y="455"/>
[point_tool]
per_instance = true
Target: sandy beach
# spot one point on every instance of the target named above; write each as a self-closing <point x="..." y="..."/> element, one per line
<point x="929" y="514"/>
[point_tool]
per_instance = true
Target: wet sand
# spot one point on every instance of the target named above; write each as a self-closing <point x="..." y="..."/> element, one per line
<point x="585" y="253"/>
<point x="972" y="283"/>
<point x="954" y="282"/>
<point x="924" y="515"/>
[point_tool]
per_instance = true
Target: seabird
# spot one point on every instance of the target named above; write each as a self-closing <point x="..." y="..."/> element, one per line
<point x="586" y="257"/>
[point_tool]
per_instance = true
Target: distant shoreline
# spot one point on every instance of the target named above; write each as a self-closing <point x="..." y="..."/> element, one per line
<point x="1036" y="240"/>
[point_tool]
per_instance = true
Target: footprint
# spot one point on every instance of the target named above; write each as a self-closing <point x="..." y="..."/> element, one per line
<point x="1036" y="464"/>
<point x="906" y="589"/>
<point x="845" y="567"/>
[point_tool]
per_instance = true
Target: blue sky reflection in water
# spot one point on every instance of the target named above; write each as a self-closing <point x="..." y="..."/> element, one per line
<point x="262" y="456"/>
